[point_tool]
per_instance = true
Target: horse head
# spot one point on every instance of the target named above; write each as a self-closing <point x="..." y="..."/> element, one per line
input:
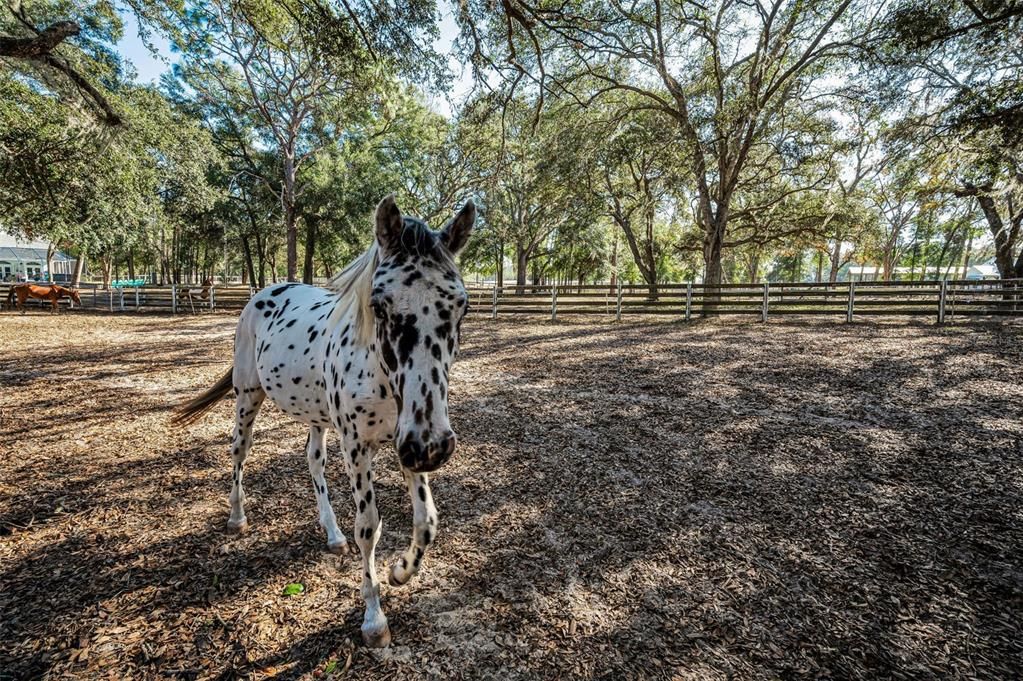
<point x="418" y="300"/>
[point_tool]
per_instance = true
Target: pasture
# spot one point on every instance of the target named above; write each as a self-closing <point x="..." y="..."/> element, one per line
<point x="641" y="500"/>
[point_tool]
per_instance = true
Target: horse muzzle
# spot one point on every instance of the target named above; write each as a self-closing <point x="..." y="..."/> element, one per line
<point x="425" y="456"/>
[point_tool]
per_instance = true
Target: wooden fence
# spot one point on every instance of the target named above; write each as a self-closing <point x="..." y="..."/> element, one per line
<point x="940" y="300"/>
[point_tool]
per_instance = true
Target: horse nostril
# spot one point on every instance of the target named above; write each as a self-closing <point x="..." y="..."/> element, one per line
<point x="411" y="452"/>
<point x="447" y="445"/>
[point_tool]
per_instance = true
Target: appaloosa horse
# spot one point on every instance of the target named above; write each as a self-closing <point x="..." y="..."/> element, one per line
<point x="370" y="359"/>
<point x="50" y="292"/>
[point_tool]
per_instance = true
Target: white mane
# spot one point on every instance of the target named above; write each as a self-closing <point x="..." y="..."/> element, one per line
<point x="355" y="286"/>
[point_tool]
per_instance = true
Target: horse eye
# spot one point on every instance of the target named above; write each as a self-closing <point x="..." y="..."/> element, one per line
<point x="379" y="311"/>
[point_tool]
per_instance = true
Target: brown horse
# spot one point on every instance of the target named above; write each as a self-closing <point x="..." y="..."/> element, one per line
<point x="50" y="292"/>
<point x="192" y="294"/>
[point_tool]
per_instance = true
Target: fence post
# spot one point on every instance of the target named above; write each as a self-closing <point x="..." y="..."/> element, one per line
<point x="763" y="311"/>
<point x="942" y="292"/>
<point x="213" y="304"/>
<point x="618" y="303"/>
<point x="120" y="291"/>
<point x="852" y="299"/>
<point x="174" y="299"/>
<point x="689" y="301"/>
<point x="136" y="298"/>
<point x="493" y="309"/>
<point x="554" y="302"/>
<point x="110" y="299"/>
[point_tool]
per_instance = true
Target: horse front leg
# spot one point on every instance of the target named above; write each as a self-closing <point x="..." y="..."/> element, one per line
<point x="375" y="632"/>
<point x="424" y="528"/>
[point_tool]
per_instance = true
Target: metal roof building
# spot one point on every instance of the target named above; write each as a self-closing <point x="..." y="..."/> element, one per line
<point x="20" y="262"/>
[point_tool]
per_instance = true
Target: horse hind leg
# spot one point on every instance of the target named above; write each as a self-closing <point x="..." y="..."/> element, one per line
<point x="247" y="405"/>
<point x="424" y="528"/>
<point x="316" y="455"/>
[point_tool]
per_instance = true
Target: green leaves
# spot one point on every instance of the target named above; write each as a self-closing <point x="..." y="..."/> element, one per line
<point x="293" y="589"/>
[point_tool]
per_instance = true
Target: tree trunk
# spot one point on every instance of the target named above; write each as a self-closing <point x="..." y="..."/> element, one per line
<point x="76" y="278"/>
<point x="131" y="263"/>
<point x="51" y="249"/>
<point x="499" y="278"/>
<point x="290" y="214"/>
<point x="1004" y="243"/>
<point x="248" y="269"/>
<point x="105" y="265"/>
<point x="261" y="255"/>
<point x="966" y="256"/>
<point x="647" y="269"/>
<point x="614" y="265"/>
<point x="713" y="243"/>
<point x="310" y="244"/>
<point x="753" y="266"/>
<point x="521" y="264"/>
<point x="836" y="261"/>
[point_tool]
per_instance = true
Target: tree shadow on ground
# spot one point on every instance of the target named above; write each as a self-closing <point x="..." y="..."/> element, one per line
<point x="639" y="502"/>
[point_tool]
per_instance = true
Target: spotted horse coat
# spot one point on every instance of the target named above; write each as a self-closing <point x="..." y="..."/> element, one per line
<point x="368" y="358"/>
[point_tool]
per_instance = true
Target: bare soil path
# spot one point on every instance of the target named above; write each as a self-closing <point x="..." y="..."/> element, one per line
<point x="712" y="500"/>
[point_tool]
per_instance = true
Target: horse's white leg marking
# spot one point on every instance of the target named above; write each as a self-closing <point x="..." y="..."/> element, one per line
<point x="316" y="455"/>
<point x="375" y="632"/>
<point x="424" y="528"/>
<point x="246" y="407"/>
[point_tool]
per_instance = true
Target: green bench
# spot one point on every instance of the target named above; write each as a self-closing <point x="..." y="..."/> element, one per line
<point x="128" y="283"/>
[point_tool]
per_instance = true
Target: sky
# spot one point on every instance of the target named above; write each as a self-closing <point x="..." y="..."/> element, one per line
<point x="150" y="67"/>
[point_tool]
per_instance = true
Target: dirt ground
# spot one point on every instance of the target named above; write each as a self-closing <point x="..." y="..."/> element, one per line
<point x="645" y="500"/>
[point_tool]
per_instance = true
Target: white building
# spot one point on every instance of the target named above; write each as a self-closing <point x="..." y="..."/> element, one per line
<point x="875" y="273"/>
<point x="26" y="260"/>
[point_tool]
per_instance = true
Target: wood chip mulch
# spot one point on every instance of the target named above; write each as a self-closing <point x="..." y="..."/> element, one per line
<point x="638" y="501"/>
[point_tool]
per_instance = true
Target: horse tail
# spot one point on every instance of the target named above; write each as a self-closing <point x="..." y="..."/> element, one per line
<point x="190" y="411"/>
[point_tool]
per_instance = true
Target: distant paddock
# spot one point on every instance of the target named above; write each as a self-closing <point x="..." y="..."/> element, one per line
<point x="637" y="500"/>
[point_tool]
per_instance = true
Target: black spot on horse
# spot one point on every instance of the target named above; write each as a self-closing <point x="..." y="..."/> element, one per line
<point x="407" y="335"/>
<point x="280" y="289"/>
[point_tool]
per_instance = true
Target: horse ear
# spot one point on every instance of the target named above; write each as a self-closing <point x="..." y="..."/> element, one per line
<point x="457" y="232"/>
<point x="389" y="224"/>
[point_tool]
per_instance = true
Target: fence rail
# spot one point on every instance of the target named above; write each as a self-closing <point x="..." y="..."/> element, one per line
<point x="943" y="300"/>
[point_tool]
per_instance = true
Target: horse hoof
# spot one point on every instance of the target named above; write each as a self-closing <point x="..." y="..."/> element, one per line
<point x="340" y="548"/>
<point x="392" y="579"/>
<point x="380" y="639"/>
<point x="238" y="526"/>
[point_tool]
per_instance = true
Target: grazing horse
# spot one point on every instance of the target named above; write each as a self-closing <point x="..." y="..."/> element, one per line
<point x="369" y="359"/>
<point x="50" y="292"/>
<point x="193" y="294"/>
